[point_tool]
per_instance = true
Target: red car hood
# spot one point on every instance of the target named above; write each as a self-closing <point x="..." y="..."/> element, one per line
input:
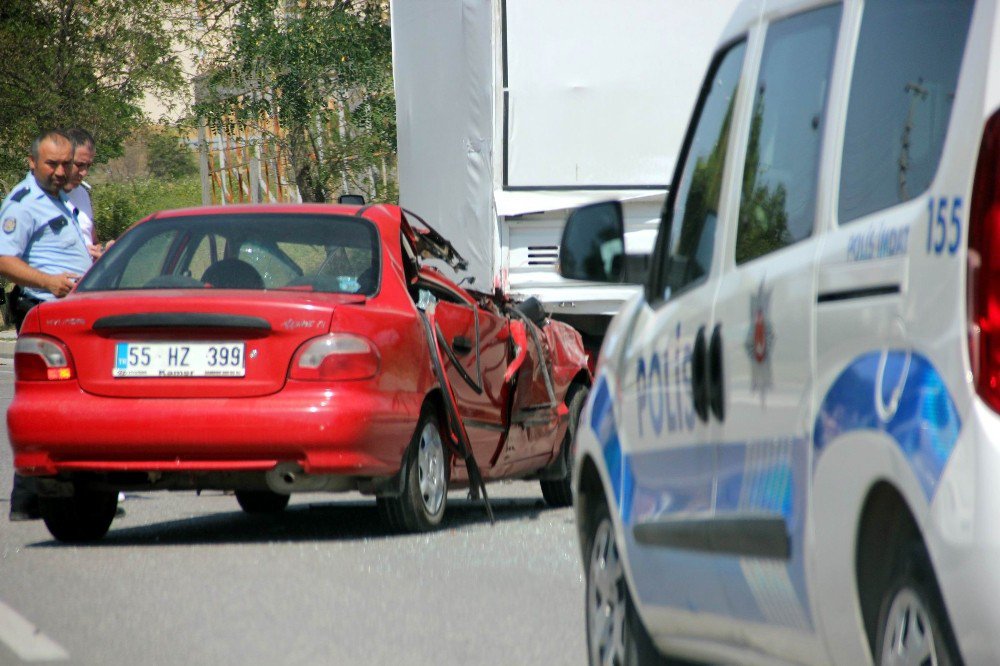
<point x="272" y="325"/>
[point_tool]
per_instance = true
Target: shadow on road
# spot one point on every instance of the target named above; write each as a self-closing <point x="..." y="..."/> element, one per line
<point x="320" y="521"/>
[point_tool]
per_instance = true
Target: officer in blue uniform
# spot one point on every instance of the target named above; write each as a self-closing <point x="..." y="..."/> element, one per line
<point x="42" y="251"/>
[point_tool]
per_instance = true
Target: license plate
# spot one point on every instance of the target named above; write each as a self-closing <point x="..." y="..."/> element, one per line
<point x="179" y="359"/>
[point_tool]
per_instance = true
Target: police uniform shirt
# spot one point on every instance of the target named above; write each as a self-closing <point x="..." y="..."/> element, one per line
<point x="43" y="232"/>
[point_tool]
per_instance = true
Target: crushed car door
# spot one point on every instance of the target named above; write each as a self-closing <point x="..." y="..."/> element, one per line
<point x="475" y="347"/>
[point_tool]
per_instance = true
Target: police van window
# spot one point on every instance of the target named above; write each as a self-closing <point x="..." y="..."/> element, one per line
<point x="688" y="255"/>
<point x="778" y="200"/>
<point x="905" y="74"/>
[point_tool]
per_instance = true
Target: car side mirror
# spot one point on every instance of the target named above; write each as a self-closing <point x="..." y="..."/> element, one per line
<point x="593" y="244"/>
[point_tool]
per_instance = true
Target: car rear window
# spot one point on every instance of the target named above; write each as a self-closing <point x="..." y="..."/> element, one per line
<point x="328" y="253"/>
<point x="905" y="75"/>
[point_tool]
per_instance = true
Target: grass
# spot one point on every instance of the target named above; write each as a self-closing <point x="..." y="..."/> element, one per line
<point x="119" y="205"/>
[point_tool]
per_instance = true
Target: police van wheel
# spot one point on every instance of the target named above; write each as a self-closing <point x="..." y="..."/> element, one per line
<point x="913" y="626"/>
<point x="559" y="492"/>
<point x="615" y="633"/>
<point x="86" y="516"/>
<point x="261" y="501"/>
<point x="420" y="507"/>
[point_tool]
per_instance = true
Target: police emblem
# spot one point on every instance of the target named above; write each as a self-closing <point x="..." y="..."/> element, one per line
<point x="9" y="225"/>
<point x="760" y="340"/>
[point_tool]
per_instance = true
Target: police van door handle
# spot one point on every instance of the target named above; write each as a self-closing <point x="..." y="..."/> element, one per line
<point x="699" y="376"/>
<point x="716" y="379"/>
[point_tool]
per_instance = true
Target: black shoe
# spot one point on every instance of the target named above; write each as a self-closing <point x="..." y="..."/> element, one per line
<point x="17" y="515"/>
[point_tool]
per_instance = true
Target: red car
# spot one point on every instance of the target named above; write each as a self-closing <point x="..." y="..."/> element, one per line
<point x="278" y="349"/>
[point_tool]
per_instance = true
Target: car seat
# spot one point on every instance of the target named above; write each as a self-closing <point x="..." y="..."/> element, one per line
<point x="232" y="274"/>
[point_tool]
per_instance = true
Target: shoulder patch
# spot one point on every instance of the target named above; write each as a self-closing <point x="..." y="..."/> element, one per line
<point x="57" y="223"/>
<point x="9" y="225"/>
<point x="20" y="194"/>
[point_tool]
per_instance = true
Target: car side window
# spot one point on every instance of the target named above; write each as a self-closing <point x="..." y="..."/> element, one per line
<point x="688" y="255"/>
<point x="209" y="249"/>
<point x="905" y="74"/>
<point x="778" y="200"/>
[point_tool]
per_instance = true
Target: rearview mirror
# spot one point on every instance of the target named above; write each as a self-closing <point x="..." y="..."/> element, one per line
<point x="351" y="199"/>
<point x="593" y="244"/>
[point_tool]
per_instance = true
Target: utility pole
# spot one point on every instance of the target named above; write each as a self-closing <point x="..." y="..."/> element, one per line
<point x="917" y="92"/>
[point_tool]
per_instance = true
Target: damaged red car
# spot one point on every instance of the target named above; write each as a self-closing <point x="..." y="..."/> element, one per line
<point x="275" y="349"/>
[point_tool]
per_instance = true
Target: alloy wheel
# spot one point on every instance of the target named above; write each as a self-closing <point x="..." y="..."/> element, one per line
<point x="909" y="636"/>
<point x="431" y="469"/>
<point x="606" y="599"/>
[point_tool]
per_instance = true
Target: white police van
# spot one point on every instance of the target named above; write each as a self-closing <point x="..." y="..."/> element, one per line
<point x="791" y="452"/>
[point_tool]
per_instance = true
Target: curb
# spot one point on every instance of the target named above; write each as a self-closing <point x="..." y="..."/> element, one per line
<point x="7" y="339"/>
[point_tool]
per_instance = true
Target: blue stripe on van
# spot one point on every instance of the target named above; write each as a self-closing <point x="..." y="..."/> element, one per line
<point x="602" y="421"/>
<point x="912" y="406"/>
<point x="922" y="420"/>
<point x="740" y="477"/>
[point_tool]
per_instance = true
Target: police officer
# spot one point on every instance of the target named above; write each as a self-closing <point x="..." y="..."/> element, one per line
<point x="78" y="190"/>
<point x="42" y="251"/>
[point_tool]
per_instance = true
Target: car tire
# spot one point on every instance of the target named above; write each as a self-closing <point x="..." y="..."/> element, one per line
<point x="421" y="504"/>
<point x="559" y="492"/>
<point x="262" y="501"/>
<point x="913" y="625"/>
<point x="615" y="633"/>
<point x="86" y="516"/>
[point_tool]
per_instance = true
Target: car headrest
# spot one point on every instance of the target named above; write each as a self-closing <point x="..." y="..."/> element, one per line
<point x="232" y="274"/>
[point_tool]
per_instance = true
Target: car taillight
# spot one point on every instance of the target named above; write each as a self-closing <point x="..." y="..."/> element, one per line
<point x="336" y="357"/>
<point x="41" y="359"/>
<point x="984" y="268"/>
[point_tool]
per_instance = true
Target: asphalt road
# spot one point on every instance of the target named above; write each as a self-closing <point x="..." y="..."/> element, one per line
<point x="187" y="579"/>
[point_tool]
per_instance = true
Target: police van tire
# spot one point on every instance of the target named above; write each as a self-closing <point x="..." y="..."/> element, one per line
<point x="913" y="624"/>
<point x="261" y="501"/>
<point x="559" y="492"/>
<point x="86" y="516"/>
<point x="421" y="505"/>
<point x="615" y="633"/>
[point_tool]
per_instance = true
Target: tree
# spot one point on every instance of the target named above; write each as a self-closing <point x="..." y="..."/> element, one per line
<point x="81" y="63"/>
<point x="323" y="70"/>
<point x="169" y="158"/>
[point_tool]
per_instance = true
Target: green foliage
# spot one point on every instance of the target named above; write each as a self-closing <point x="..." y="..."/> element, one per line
<point x="117" y="206"/>
<point x="763" y="221"/>
<point x="324" y="70"/>
<point x="168" y="157"/>
<point x="80" y="63"/>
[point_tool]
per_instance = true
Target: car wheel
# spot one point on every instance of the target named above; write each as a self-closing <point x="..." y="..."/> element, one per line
<point x="559" y="492"/>
<point x="261" y="501"/>
<point x="86" y="516"/>
<point x="420" y="507"/>
<point x="913" y="626"/>
<point x="615" y="634"/>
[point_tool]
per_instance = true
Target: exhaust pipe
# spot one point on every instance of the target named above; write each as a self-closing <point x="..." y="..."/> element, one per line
<point x="288" y="477"/>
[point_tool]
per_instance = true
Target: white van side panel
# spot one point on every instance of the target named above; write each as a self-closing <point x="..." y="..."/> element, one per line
<point x="888" y="396"/>
<point x="896" y="352"/>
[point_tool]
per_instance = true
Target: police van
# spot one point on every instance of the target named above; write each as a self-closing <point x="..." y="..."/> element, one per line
<point x="791" y="451"/>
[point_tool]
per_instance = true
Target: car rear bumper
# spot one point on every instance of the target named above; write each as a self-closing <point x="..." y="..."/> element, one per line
<point x="349" y="429"/>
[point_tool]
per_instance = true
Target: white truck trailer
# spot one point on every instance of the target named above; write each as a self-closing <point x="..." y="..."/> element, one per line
<point x="510" y="113"/>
